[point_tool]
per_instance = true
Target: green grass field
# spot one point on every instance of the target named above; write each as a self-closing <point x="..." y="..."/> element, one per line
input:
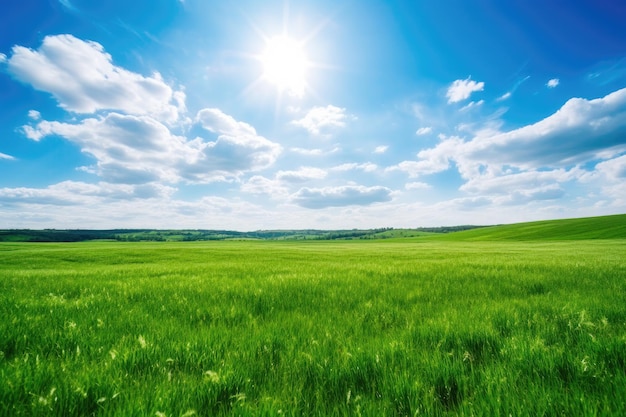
<point x="399" y="327"/>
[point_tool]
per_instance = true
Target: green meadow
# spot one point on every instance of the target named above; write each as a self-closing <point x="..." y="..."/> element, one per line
<point x="461" y="324"/>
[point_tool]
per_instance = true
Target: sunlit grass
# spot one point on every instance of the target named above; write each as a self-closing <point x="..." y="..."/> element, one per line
<point x="317" y="328"/>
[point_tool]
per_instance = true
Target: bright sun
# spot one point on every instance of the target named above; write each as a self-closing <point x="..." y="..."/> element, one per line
<point x="285" y="65"/>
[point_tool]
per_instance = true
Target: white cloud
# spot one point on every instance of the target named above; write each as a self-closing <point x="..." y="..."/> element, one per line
<point x="460" y="90"/>
<point x="34" y="115"/>
<point x="614" y="169"/>
<point x="80" y="206"/>
<point x="216" y="121"/>
<point x="128" y="149"/>
<point x="472" y="104"/>
<point x="304" y="174"/>
<point x="316" y="151"/>
<point x="534" y="162"/>
<point x="138" y="149"/>
<point x="580" y="131"/>
<point x="417" y="185"/>
<point x="552" y="83"/>
<point x="318" y="198"/>
<point x="381" y="149"/>
<point x="504" y="96"/>
<point x="432" y="160"/>
<point x="577" y="132"/>
<point x="79" y="193"/>
<point x="5" y="156"/>
<point x="260" y="185"/>
<point x="509" y="93"/>
<point x="424" y="131"/>
<point x="367" y="167"/>
<point x="238" y="147"/>
<point x="524" y="182"/>
<point x="309" y="152"/>
<point x="3" y="58"/>
<point x="82" y="78"/>
<point x="321" y="121"/>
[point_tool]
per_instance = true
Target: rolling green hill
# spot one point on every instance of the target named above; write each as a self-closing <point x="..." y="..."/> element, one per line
<point x="603" y="227"/>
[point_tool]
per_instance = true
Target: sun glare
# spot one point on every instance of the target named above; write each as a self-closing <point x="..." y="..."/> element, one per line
<point x="285" y="65"/>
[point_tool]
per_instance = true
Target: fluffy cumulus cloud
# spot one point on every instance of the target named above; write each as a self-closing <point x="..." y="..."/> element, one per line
<point x="258" y="184"/>
<point x="125" y="120"/>
<point x="321" y="121"/>
<point x="138" y="149"/>
<point x="214" y="120"/>
<point x="348" y="195"/>
<point x="461" y="90"/>
<point x="82" y="78"/>
<point x="537" y="159"/>
<point x="522" y="186"/>
<point x="614" y="169"/>
<point x="127" y="149"/>
<point x="238" y="147"/>
<point x="579" y="131"/>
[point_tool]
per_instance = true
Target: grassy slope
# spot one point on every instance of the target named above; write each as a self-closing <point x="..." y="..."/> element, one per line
<point x="604" y="227"/>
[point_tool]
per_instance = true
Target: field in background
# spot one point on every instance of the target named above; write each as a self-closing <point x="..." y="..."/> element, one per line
<point x="602" y="227"/>
<point x="417" y="326"/>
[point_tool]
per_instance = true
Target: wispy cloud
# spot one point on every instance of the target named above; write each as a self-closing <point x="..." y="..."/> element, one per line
<point x="461" y="90"/>
<point x="5" y="156"/>
<point x="472" y="104"/>
<point x="607" y="72"/>
<point x="309" y="152"/>
<point x="505" y="96"/>
<point x="68" y="5"/>
<point x="351" y="166"/>
<point x="315" y="151"/>
<point x="424" y="131"/>
<point x="509" y="93"/>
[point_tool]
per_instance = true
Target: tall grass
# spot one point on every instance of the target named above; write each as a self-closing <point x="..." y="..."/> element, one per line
<point x="317" y="328"/>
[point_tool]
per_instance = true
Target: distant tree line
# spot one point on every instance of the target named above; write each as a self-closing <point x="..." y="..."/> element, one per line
<point x="154" y="235"/>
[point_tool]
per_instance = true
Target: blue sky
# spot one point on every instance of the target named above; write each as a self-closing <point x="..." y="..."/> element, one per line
<point x="311" y="114"/>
